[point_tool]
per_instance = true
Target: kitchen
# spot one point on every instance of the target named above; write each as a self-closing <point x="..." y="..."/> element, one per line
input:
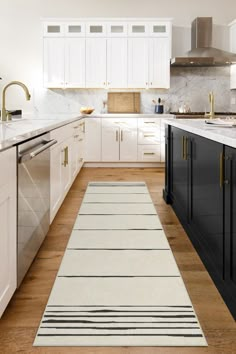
<point x="189" y="88"/>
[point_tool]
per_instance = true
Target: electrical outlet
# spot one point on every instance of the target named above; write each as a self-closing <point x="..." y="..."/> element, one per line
<point x="233" y="100"/>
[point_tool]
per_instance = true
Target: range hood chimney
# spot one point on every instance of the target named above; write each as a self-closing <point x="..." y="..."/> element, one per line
<point x="202" y="53"/>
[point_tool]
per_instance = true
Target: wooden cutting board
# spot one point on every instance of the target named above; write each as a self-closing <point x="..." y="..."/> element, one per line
<point x="123" y="102"/>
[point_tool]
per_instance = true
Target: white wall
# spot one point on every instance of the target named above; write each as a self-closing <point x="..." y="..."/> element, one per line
<point x="20" y="30"/>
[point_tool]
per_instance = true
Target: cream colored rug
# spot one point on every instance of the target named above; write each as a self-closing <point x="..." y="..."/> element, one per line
<point x="118" y="283"/>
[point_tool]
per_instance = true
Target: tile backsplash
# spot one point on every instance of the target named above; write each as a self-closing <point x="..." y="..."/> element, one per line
<point x="189" y="86"/>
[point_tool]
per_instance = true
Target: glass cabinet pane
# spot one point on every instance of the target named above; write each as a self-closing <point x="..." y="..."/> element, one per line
<point x="138" y="29"/>
<point x="74" y="29"/>
<point x="117" y="29"/>
<point x="53" y="29"/>
<point x="96" y="29"/>
<point x="159" y="29"/>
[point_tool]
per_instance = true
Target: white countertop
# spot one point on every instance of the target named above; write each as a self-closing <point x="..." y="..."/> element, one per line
<point x="223" y="135"/>
<point x="31" y="125"/>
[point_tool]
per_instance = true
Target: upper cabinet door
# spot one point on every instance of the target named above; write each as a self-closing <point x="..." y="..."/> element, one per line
<point x="159" y="63"/>
<point x="117" y="29"/>
<point x="53" y="29"/>
<point x="96" y="62"/>
<point x="138" y="29"/>
<point x="54" y="62"/>
<point x="75" y="29"/>
<point x="75" y="62"/>
<point x="117" y="62"/>
<point x="160" y="29"/>
<point x="138" y="62"/>
<point x="96" y="29"/>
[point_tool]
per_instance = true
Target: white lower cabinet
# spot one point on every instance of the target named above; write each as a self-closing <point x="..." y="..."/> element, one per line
<point x="151" y="141"/>
<point x="66" y="161"/>
<point x="8" y="238"/>
<point x="119" y="139"/>
<point x="93" y="139"/>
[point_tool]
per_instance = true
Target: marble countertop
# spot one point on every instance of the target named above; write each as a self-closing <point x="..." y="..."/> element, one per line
<point x="131" y="115"/>
<point x="31" y="125"/>
<point x="223" y="135"/>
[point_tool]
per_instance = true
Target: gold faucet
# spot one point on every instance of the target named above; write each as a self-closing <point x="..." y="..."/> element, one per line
<point x="212" y="112"/>
<point x="4" y="114"/>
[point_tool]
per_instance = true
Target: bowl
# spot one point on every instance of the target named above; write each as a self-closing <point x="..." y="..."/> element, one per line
<point x="86" y="110"/>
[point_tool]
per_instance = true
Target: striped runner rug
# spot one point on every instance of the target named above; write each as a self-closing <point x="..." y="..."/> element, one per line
<point x="118" y="283"/>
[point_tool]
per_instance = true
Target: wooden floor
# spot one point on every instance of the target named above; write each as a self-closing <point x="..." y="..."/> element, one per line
<point x="20" y="321"/>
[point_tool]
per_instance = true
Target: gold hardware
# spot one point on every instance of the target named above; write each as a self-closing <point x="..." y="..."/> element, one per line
<point x="4" y="115"/>
<point x="149" y="135"/>
<point x="121" y="135"/>
<point x="81" y="139"/>
<point x="77" y="126"/>
<point x="76" y="136"/>
<point x="183" y="142"/>
<point x="149" y="153"/>
<point x="212" y="112"/>
<point x="149" y="122"/>
<point x="186" y="148"/>
<point x="117" y="135"/>
<point x="66" y="157"/>
<point x="221" y="169"/>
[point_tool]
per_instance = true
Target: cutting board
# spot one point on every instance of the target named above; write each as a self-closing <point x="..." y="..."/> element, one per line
<point x="123" y="102"/>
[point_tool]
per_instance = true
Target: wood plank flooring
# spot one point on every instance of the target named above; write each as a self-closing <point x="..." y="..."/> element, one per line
<point x="21" y="319"/>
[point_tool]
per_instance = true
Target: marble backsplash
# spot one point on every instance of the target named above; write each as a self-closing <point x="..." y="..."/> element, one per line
<point x="189" y="86"/>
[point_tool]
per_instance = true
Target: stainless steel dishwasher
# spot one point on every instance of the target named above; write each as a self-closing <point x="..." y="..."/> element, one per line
<point x="33" y="199"/>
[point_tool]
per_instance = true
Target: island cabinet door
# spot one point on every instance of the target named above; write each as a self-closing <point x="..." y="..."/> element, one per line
<point x="230" y="216"/>
<point x="207" y="192"/>
<point x="179" y="187"/>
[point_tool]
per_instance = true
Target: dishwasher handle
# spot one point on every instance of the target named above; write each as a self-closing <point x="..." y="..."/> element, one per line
<point x="31" y="155"/>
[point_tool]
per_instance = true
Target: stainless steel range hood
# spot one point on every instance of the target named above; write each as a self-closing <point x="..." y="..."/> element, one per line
<point x="202" y="53"/>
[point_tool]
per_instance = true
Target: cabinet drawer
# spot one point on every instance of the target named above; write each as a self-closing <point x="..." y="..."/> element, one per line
<point x="149" y="136"/>
<point x="149" y="153"/>
<point x="149" y="123"/>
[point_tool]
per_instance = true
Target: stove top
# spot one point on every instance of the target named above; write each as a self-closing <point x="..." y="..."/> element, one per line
<point x="203" y="113"/>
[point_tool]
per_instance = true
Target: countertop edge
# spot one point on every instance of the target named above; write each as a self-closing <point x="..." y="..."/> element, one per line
<point x="213" y="133"/>
<point x="11" y="142"/>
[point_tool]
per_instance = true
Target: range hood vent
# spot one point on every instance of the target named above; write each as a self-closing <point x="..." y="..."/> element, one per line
<point x="202" y="53"/>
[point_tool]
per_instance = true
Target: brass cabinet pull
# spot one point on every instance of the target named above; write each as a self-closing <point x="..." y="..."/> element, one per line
<point x="121" y="135"/>
<point x="186" y="148"/>
<point x="183" y="142"/>
<point x="149" y="135"/>
<point x="150" y="123"/>
<point x="117" y="135"/>
<point x="221" y="169"/>
<point x="149" y="153"/>
<point x="66" y="156"/>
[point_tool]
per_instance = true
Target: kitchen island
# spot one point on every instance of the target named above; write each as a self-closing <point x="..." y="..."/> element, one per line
<point x="200" y="184"/>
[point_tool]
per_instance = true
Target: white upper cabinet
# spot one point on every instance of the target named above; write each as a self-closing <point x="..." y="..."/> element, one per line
<point x="121" y="53"/>
<point x="159" y="63"/>
<point x="75" y="29"/>
<point x="138" y="62"/>
<point x="138" y="29"/>
<point x="96" y="62"/>
<point x="53" y="29"/>
<point x="160" y="29"/>
<point x="117" y="62"/>
<point x="117" y="29"/>
<point x="96" y="29"/>
<point x="75" y="62"/>
<point x="233" y="49"/>
<point x="54" y="62"/>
